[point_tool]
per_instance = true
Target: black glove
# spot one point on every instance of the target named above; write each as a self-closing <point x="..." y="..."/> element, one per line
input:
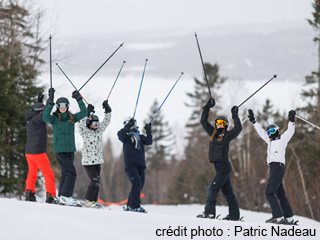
<point x="51" y="93"/>
<point x="90" y="109"/>
<point x="76" y="95"/>
<point x="105" y="105"/>
<point x="50" y="101"/>
<point x="130" y="124"/>
<point x="40" y="97"/>
<point x="292" y="115"/>
<point x="147" y="127"/>
<point x="234" y="111"/>
<point x="209" y="105"/>
<point x="251" y="116"/>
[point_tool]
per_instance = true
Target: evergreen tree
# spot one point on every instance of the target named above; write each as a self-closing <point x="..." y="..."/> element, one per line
<point x="20" y="47"/>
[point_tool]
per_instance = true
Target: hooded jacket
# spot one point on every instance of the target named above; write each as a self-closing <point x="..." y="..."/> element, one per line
<point x="63" y="131"/>
<point x="92" y="141"/>
<point x="37" y="138"/>
<point x="276" y="148"/>
<point x="219" y="150"/>
<point x="133" y="157"/>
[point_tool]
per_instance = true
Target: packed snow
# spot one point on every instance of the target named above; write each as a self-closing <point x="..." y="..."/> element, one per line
<point x="30" y="220"/>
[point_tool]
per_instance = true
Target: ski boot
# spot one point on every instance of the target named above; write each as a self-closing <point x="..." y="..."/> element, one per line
<point x="91" y="204"/>
<point x="30" y="196"/>
<point x="228" y="218"/>
<point x="279" y="220"/>
<point x="206" y="215"/>
<point x="51" y="199"/>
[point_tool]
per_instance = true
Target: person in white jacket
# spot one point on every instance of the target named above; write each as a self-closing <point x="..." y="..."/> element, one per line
<point x="277" y="143"/>
<point x="91" y="132"/>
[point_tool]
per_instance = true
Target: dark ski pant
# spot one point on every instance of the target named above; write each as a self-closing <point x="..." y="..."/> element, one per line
<point x="137" y="179"/>
<point x="93" y="172"/>
<point x="275" y="187"/>
<point x="222" y="182"/>
<point x="68" y="173"/>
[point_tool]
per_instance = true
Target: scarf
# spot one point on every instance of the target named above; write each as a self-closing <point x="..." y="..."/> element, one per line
<point x="135" y="137"/>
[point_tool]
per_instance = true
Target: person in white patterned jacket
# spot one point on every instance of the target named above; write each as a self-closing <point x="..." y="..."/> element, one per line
<point x="91" y="132"/>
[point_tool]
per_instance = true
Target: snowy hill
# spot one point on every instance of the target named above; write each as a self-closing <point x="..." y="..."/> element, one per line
<point x="28" y="220"/>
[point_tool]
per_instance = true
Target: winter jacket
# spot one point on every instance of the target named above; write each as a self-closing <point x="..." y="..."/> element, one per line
<point x="63" y="131"/>
<point x="37" y="138"/>
<point x="276" y="148"/>
<point x="218" y="150"/>
<point x="133" y="157"/>
<point x="92" y="141"/>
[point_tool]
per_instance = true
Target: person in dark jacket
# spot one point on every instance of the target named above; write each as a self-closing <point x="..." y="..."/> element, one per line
<point x="134" y="160"/>
<point x="63" y="123"/>
<point x="35" y="152"/>
<point x="220" y="139"/>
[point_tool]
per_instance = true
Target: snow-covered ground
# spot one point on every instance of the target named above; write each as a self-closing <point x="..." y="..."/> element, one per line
<point x="29" y="220"/>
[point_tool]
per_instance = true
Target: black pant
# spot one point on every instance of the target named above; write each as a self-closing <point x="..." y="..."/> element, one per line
<point x="222" y="182"/>
<point x="68" y="173"/>
<point x="137" y="179"/>
<point x="275" y="187"/>
<point x="93" y="172"/>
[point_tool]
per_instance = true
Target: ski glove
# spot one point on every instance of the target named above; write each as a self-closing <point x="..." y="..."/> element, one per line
<point x="251" y="116"/>
<point x="147" y="127"/>
<point x="51" y="93"/>
<point x="105" y="105"/>
<point x="76" y="95"/>
<point x="209" y="105"/>
<point x="234" y="111"/>
<point x="50" y="101"/>
<point x="130" y="124"/>
<point x="292" y="115"/>
<point x="40" y="97"/>
<point x="90" y="109"/>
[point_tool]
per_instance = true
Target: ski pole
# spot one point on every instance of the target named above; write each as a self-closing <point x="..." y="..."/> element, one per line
<point x="205" y="74"/>
<point x="102" y="65"/>
<point x="274" y="76"/>
<point x="140" y="88"/>
<point x="166" y="98"/>
<point x="50" y="63"/>
<point x="115" y="80"/>
<point x="71" y="83"/>
<point x="308" y="122"/>
<point x="244" y="120"/>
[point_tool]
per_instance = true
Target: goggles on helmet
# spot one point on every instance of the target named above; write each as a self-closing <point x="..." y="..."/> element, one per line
<point x="272" y="131"/>
<point x="95" y="123"/>
<point x="220" y="122"/>
<point x="38" y="109"/>
<point x="62" y="105"/>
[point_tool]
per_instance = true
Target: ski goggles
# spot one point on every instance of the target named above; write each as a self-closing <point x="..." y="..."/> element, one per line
<point x="62" y="105"/>
<point x="95" y="123"/>
<point x="272" y="131"/>
<point x="220" y="122"/>
<point x="38" y="109"/>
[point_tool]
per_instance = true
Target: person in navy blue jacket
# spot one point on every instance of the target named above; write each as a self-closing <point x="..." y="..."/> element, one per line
<point x="134" y="160"/>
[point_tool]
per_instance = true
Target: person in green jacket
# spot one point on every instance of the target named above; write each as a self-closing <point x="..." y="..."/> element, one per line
<point x="63" y="123"/>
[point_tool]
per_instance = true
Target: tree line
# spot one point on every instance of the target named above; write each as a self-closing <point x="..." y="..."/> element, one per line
<point x="169" y="180"/>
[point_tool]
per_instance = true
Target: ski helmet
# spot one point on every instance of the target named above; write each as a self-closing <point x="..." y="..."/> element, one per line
<point x="273" y="131"/>
<point x="127" y="119"/>
<point x="92" y="120"/>
<point x="62" y="100"/>
<point x="38" y="107"/>
<point x="223" y="118"/>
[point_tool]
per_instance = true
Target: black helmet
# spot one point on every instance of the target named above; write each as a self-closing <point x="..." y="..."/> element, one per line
<point x="62" y="100"/>
<point x="38" y="107"/>
<point x="92" y="120"/>
<point x="223" y="118"/>
<point x="273" y="131"/>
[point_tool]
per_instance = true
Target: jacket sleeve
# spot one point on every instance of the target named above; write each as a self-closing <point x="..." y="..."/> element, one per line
<point x="105" y="122"/>
<point x="287" y="135"/>
<point x="205" y="124"/>
<point x="46" y="114"/>
<point x="82" y="127"/>
<point x="237" y="129"/>
<point x="262" y="133"/>
<point x="37" y="120"/>
<point x="122" y="134"/>
<point x="83" y="111"/>
<point x="146" y="140"/>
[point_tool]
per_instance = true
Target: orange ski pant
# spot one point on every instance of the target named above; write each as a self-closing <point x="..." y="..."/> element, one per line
<point x="41" y="162"/>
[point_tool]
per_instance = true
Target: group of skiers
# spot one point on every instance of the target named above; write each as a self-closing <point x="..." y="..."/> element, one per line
<point x="91" y="130"/>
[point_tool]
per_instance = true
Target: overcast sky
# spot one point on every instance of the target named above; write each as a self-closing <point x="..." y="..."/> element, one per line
<point x="71" y="17"/>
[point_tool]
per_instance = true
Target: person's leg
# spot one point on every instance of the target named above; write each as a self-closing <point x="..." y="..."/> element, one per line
<point x="284" y="203"/>
<point x="134" y="196"/>
<point x="68" y="173"/>
<point x="32" y="174"/>
<point x="93" y="172"/>
<point x="275" y="180"/>
<point x="44" y="166"/>
<point x="228" y="194"/>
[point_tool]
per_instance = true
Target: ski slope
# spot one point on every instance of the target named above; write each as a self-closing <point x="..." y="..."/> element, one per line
<point x="39" y="221"/>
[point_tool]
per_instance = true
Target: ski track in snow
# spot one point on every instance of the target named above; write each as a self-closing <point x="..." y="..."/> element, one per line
<point x="29" y="220"/>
